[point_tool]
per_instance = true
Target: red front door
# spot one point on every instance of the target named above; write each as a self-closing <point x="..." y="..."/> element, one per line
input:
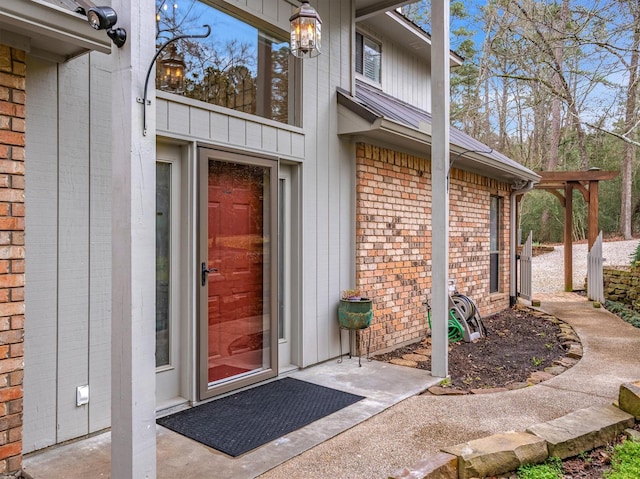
<point x="236" y="270"/>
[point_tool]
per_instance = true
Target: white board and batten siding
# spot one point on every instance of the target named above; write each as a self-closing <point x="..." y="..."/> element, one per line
<point x="180" y="117"/>
<point x="68" y="236"/>
<point x="397" y="58"/>
<point x="328" y="187"/>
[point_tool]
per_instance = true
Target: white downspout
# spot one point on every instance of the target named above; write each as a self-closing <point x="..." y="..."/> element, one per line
<point x="513" y="277"/>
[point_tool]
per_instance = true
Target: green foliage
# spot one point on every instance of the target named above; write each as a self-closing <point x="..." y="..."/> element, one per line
<point x="624" y="312"/>
<point x="625" y="461"/>
<point x="551" y="469"/>
<point x="537" y="205"/>
<point x="635" y="257"/>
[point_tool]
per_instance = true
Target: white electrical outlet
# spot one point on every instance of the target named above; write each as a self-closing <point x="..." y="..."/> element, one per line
<point x="82" y="395"/>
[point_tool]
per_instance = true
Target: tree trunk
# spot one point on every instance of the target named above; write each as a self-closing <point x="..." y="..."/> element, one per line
<point x="631" y="116"/>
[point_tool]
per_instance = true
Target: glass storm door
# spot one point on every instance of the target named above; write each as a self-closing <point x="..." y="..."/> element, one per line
<point x="237" y="272"/>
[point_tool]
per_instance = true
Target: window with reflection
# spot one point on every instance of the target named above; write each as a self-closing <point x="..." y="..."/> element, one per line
<point x="238" y="66"/>
<point x="494" y="244"/>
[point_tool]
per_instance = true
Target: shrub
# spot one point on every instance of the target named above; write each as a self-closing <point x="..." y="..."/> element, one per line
<point x="635" y="256"/>
<point x="624" y="312"/>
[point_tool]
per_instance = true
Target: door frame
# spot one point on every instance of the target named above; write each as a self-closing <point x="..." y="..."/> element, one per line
<point x="177" y="155"/>
<point x="204" y="154"/>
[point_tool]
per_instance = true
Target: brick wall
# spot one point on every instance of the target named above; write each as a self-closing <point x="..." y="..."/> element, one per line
<point x="393" y="241"/>
<point x="12" y="257"/>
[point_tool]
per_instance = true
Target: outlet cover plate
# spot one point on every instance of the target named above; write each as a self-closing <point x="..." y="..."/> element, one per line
<point x="82" y="395"/>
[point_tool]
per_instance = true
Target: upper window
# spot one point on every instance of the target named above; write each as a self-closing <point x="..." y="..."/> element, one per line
<point x="238" y="66"/>
<point x="368" y="56"/>
<point x="494" y="245"/>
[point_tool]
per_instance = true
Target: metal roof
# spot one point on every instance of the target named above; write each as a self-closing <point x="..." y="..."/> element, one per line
<point x="382" y="110"/>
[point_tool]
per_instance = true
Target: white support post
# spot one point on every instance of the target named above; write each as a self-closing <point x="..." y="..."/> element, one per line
<point x="133" y="428"/>
<point x="440" y="187"/>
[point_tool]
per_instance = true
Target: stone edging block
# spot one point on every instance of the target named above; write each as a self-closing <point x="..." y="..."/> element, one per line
<point x="498" y="454"/>
<point x="629" y="398"/>
<point x="582" y="430"/>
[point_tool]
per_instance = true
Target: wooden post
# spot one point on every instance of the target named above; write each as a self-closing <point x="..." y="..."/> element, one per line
<point x="592" y="232"/>
<point x="568" y="237"/>
<point x="440" y="187"/>
<point x="133" y="426"/>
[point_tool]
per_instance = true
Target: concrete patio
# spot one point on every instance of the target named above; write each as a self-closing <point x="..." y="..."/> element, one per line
<point x="395" y="426"/>
<point x="382" y="385"/>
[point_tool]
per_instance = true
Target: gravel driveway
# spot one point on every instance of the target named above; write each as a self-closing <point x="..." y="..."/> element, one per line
<point x="548" y="268"/>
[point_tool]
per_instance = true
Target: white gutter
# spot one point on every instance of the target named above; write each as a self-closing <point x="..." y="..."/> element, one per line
<point x="513" y="277"/>
<point x="418" y="140"/>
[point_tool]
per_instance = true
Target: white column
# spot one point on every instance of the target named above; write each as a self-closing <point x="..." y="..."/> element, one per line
<point x="440" y="186"/>
<point x="133" y="428"/>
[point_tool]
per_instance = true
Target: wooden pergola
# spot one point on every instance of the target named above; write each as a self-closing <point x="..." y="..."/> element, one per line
<point x="561" y="184"/>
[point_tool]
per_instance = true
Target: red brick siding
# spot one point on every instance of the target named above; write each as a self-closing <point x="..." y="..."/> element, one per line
<point x="393" y="241"/>
<point x="12" y="255"/>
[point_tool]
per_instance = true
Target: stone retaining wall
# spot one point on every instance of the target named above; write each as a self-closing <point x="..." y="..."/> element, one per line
<point x="622" y="284"/>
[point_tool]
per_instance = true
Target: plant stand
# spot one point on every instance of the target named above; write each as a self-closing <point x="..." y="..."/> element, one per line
<point x="355" y="315"/>
<point x="355" y="334"/>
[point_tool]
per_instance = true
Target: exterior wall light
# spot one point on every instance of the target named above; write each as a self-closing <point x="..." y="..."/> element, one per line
<point x="176" y="62"/>
<point x="104" y="18"/>
<point x="171" y="68"/>
<point x="305" y="31"/>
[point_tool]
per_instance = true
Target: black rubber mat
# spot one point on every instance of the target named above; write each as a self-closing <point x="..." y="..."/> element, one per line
<point x="244" y="421"/>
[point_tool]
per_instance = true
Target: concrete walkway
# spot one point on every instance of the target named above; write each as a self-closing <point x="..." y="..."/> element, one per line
<point x="421" y="425"/>
<point x="378" y="440"/>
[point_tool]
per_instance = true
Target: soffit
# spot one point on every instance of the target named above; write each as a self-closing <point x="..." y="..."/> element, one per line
<point x="365" y="8"/>
<point x="47" y="29"/>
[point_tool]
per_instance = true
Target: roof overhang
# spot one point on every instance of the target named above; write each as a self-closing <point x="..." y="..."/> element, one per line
<point x="48" y="31"/>
<point x="367" y="8"/>
<point x="401" y="29"/>
<point x="362" y="124"/>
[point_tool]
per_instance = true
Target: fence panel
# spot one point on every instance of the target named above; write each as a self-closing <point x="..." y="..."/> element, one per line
<point x="595" y="282"/>
<point x="525" y="268"/>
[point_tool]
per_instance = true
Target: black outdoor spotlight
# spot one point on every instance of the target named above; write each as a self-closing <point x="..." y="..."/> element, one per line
<point x="104" y="18"/>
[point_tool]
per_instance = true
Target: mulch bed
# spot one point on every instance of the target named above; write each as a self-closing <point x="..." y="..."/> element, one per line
<point x="519" y="342"/>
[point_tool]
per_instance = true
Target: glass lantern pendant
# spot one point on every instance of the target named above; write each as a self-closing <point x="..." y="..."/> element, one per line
<point x="305" y="31"/>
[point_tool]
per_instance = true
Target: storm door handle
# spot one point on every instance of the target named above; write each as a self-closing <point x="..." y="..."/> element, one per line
<point x="205" y="272"/>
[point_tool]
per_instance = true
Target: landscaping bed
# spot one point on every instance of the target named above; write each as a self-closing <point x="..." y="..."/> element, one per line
<point x="520" y="343"/>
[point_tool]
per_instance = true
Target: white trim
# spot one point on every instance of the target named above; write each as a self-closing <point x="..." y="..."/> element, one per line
<point x="65" y="32"/>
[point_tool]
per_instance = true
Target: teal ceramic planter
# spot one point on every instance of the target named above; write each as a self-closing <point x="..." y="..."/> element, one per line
<point x="355" y="313"/>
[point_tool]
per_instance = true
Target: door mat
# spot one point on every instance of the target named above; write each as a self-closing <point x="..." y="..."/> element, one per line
<point x="244" y="421"/>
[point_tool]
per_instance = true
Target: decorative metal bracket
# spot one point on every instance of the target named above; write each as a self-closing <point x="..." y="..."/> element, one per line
<point x="144" y="100"/>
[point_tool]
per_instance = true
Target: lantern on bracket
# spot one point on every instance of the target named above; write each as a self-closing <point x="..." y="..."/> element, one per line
<point x="306" y="38"/>
<point x="171" y="71"/>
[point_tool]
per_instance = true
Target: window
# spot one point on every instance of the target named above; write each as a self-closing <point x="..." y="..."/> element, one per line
<point x="494" y="246"/>
<point x="238" y="66"/>
<point x="368" y="55"/>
